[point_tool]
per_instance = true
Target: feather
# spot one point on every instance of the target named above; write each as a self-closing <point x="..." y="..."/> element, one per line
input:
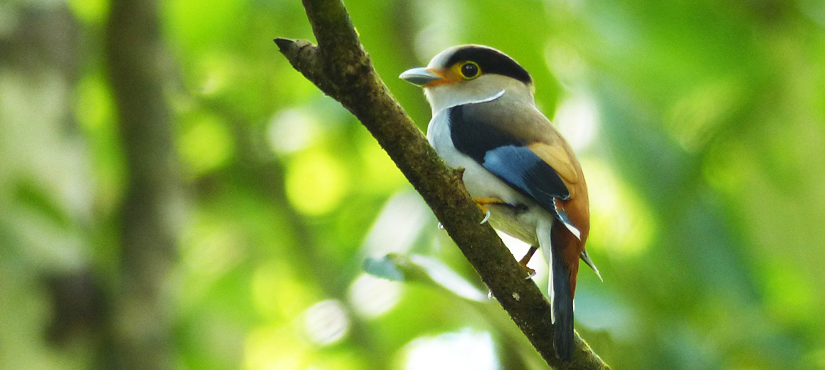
<point x="507" y="157"/>
<point x="560" y="288"/>
<point x="586" y="258"/>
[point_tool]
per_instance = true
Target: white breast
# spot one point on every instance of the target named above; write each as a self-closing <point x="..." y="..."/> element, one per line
<point x="479" y="182"/>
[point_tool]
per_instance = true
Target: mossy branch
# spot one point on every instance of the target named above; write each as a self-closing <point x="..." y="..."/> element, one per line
<point x="341" y="68"/>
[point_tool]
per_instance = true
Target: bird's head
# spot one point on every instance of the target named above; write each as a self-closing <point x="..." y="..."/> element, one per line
<point x="467" y="74"/>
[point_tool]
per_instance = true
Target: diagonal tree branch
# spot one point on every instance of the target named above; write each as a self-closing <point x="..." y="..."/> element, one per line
<point x="341" y="68"/>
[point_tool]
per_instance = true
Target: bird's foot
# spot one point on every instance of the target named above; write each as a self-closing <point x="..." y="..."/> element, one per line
<point x="529" y="273"/>
<point x="524" y="260"/>
<point x="482" y="205"/>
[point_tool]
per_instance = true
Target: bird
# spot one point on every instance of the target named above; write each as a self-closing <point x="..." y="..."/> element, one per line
<point x="517" y="166"/>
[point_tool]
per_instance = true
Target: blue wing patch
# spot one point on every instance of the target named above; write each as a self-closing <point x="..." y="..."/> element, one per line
<point x="525" y="171"/>
<point x="507" y="157"/>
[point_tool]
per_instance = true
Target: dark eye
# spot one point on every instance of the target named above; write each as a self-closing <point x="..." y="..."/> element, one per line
<point x="469" y="70"/>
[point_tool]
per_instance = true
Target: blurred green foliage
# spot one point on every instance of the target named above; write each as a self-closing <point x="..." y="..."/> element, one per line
<point x="700" y="126"/>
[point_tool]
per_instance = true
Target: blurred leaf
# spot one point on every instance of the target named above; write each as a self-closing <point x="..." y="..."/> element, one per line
<point x="384" y="267"/>
<point x="33" y="197"/>
<point x="422" y="269"/>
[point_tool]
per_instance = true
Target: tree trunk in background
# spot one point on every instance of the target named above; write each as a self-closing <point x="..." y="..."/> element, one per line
<point x="141" y="321"/>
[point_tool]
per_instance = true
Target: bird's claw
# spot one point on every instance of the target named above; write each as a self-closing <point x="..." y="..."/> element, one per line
<point x="524" y="260"/>
<point x="530" y="272"/>
<point x="486" y="217"/>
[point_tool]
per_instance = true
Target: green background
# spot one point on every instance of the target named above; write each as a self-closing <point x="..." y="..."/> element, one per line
<point x="700" y="126"/>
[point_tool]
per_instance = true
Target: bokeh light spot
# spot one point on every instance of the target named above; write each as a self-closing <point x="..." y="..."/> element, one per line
<point x="399" y="224"/>
<point x="275" y="348"/>
<point x="278" y="293"/>
<point x="621" y="222"/>
<point x="316" y="182"/>
<point x="207" y="144"/>
<point x="291" y="130"/>
<point x="452" y="351"/>
<point x="326" y="322"/>
<point x="372" y="297"/>
<point x="215" y="71"/>
<point x="578" y="120"/>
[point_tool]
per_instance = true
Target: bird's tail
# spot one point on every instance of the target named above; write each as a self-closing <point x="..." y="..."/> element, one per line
<point x="562" y="302"/>
<point x="560" y="291"/>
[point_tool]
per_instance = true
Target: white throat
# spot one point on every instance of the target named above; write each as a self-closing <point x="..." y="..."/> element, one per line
<point x="480" y="90"/>
<point x="439" y="101"/>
